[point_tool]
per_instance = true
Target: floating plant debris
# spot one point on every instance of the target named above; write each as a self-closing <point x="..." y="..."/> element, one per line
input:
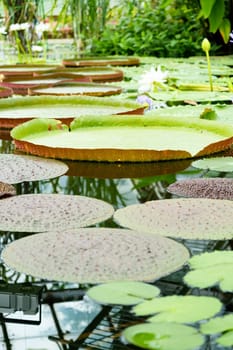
<point x="19" y="168"/>
<point x="6" y="190"/>
<point x="217" y="188"/>
<point x="95" y="255"/>
<point x="189" y="218"/>
<point x="209" y="269"/>
<point x="123" y="292"/>
<point x="163" y="336"/>
<point x="179" y="308"/>
<point x="44" y="212"/>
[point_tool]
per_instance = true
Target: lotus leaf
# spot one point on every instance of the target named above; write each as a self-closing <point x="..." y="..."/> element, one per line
<point x="6" y="190"/>
<point x="179" y="308"/>
<point x="123" y="292"/>
<point x="218" y="164"/>
<point x="163" y="336"/>
<point x="223" y="325"/>
<point x="190" y="218"/>
<point x="115" y="138"/>
<point x="211" y="269"/>
<point x="219" y="188"/>
<point x="44" y="212"/>
<point x="19" y="168"/>
<point x="95" y="255"/>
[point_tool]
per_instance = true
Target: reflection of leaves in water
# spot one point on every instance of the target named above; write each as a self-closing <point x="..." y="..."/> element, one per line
<point x="6" y="146"/>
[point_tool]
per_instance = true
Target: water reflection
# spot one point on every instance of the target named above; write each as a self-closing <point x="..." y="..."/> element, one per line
<point x="65" y="314"/>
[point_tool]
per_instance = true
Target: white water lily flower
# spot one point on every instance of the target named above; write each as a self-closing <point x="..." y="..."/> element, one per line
<point x="19" y="26"/>
<point x="42" y="27"/>
<point x="152" y="78"/>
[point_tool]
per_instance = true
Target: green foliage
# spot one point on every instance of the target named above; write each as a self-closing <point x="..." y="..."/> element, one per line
<point x="151" y="29"/>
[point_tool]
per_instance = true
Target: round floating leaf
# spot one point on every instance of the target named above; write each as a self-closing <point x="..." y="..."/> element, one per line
<point x="19" y="168"/>
<point x="178" y="308"/>
<point x="226" y="339"/>
<point x="95" y="255"/>
<point x="190" y="218"/>
<point x="115" y="138"/>
<point x="44" y="212"/>
<point x="218" y="325"/>
<point x="101" y="61"/>
<point x="211" y="269"/>
<point x="218" y="164"/>
<point x="6" y="190"/>
<point x="217" y="188"/>
<point x="123" y="292"/>
<point x="163" y="336"/>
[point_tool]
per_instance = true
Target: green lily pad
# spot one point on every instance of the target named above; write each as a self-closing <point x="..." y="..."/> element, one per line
<point x="223" y="325"/>
<point x="219" y="188"/>
<point x="101" y="61"/>
<point x="123" y="292"/>
<point x="216" y="164"/>
<point x="94" y="255"/>
<point x="21" y="109"/>
<point x="115" y="138"/>
<point x="163" y="336"/>
<point x="44" y="212"/>
<point x="178" y="308"/>
<point x="210" y="269"/>
<point x="20" y="168"/>
<point x="190" y="218"/>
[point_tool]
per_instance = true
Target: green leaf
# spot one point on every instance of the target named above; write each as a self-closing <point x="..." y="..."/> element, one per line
<point x="123" y="292"/>
<point x="220" y="325"/>
<point x="223" y="164"/>
<point x="163" y="336"/>
<point x="225" y="29"/>
<point x="206" y="7"/>
<point x="216" y="16"/>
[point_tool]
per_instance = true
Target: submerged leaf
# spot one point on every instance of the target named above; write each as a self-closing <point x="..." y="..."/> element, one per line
<point x="218" y="164"/>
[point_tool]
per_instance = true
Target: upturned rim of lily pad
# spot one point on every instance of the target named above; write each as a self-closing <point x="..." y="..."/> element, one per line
<point x="29" y="137"/>
<point x="101" y="61"/>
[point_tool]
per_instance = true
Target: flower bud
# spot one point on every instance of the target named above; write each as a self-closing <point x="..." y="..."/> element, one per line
<point x="205" y="45"/>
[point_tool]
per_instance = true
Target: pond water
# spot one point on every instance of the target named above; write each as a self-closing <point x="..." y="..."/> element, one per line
<point x="65" y="312"/>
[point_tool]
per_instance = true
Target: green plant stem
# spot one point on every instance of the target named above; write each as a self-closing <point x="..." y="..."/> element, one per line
<point x="209" y="70"/>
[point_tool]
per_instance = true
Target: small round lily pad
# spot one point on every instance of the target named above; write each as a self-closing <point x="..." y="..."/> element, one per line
<point x="95" y="255"/>
<point x="188" y="218"/>
<point x="216" y="188"/>
<point x="19" y="168"/>
<point x="6" y="190"/>
<point x="223" y="324"/>
<point x="44" y="212"/>
<point x="223" y="164"/>
<point x="179" y="308"/>
<point x="209" y="269"/>
<point x="123" y="292"/>
<point x="163" y="336"/>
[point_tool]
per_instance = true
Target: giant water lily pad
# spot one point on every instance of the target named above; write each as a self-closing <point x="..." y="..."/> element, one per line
<point x="219" y="188"/>
<point x="115" y="138"/>
<point x="163" y="336"/>
<point x="190" y="218"/>
<point x="209" y="269"/>
<point x="96" y="74"/>
<point x="223" y="164"/>
<point x="44" y="212"/>
<point x="101" y="61"/>
<point x="222" y="325"/>
<point x="123" y="292"/>
<point x="19" y="168"/>
<point x="179" y="308"/>
<point x="75" y="88"/>
<point x="95" y="255"/>
<point x="21" y="109"/>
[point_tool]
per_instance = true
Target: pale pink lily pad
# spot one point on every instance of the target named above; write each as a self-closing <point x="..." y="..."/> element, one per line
<point x="217" y="188"/>
<point x="19" y="168"/>
<point x="6" y="190"/>
<point x="44" y="212"/>
<point x="188" y="218"/>
<point x="95" y="255"/>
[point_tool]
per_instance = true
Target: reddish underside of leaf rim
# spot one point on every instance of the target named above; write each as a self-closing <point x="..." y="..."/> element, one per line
<point x="117" y="155"/>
